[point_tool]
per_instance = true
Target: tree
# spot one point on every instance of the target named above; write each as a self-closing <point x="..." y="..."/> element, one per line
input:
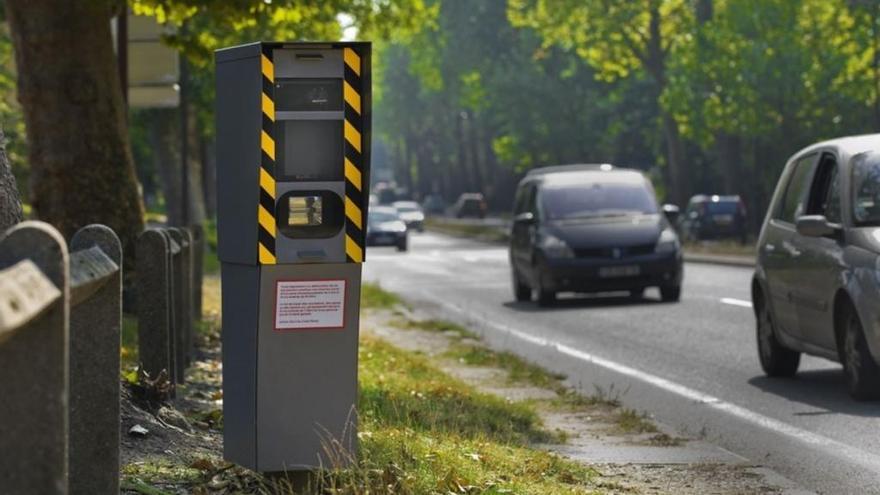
<point x="619" y="38"/>
<point x="10" y="203"/>
<point x="68" y="85"/>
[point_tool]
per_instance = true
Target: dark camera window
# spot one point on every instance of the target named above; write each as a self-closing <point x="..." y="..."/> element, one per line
<point x="310" y="150"/>
<point x="308" y="95"/>
<point x="309" y="214"/>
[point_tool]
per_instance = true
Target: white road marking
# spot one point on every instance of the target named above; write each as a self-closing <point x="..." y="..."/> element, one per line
<point x="854" y="454"/>
<point x="736" y="302"/>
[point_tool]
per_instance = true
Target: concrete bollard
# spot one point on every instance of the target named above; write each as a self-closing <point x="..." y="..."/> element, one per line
<point x="95" y="325"/>
<point x="33" y="360"/>
<point x="178" y="303"/>
<point x="154" y="307"/>
<point x="198" y="260"/>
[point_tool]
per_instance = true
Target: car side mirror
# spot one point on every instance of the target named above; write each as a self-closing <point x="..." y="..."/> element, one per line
<point x="672" y="213"/>
<point x="814" y="226"/>
<point x="525" y="218"/>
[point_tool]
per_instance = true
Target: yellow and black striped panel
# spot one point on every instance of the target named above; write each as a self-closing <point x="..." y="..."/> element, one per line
<point x="355" y="224"/>
<point x="266" y="208"/>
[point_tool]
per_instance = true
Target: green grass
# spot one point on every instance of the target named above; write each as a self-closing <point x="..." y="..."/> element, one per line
<point x="482" y="232"/>
<point x="374" y="297"/>
<point x="631" y="421"/>
<point x="518" y="369"/>
<point x="129" y="351"/>
<point x="422" y="431"/>
<point x="441" y="326"/>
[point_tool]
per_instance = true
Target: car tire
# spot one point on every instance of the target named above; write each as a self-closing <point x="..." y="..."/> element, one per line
<point x="670" y="293"/>
<point x="546" y="297"/>
<point x="776" y="359"/>
<point x="402" y="245"/>
<point x="521" y="291"/>
<point x="862" y="373"/>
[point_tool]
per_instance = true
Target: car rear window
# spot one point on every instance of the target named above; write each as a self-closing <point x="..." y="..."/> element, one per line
<point x="722" y="207"/>
<point x="597" y="199"/>
<point x="866" y="189"/>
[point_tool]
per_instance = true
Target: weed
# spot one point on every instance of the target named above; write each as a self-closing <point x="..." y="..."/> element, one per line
<point x="631" y="421"/>
<point x="373" y="296"/>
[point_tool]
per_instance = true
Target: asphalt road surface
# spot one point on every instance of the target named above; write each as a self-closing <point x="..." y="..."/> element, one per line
<point x="692" y="365"/>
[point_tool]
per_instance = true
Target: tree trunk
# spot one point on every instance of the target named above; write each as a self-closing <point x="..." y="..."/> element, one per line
<point x="82" y="171"/>
<point x="10" y="202"/>
<point x="164" y="139"/>
<point x="730" y="159"/>
<point x="679" y="181"/>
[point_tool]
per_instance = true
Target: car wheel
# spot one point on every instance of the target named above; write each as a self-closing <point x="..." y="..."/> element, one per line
<point x="546" y="297"/>
<point x="776" y="360"/>
<point x="862" y="373"/>
<point x="670" y="293"/>
<point x="521" y="291"/>
<point x="402" y="244"/>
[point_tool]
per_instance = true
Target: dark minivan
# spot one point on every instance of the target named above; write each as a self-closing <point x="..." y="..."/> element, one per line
<point x="591" y="228"/>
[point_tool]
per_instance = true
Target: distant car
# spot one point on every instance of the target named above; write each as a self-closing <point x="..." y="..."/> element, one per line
<point x="714" y="217"/>
<point x="385" y="228"/>
<point x="411" y="213"/>
<point x="434" y="205"/>
<point x="817" y="280"/>
<point x="469" y="205"/>
<point x="591" y="228"/>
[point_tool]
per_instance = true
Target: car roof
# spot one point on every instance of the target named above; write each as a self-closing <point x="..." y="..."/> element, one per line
<point x="590" y="174"/>
<point x="574" y="167"/>
<point x="852" y="145"/>
<point x="714" y="198"/>
<point x="383" y="209"/>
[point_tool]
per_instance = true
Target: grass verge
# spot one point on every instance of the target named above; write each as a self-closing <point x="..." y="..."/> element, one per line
<point x="482" y="232"/>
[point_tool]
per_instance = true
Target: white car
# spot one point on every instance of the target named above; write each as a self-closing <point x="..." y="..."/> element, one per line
<point x="411" y="213"/>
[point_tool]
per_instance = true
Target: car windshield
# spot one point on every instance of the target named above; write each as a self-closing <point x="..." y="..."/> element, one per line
<point x="597" y="200"/>
<point x="382" y="216"/>
<point x="866" y="189"/>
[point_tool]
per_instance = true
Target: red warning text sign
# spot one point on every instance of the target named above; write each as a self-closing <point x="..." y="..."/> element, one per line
<point x="309" y="304"/>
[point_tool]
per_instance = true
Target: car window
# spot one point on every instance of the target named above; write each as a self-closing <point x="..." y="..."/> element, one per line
<point x="825" y="193"/>
<point x="597" y="199"/>
<point x="520" y="201"/>
<point x="795" y="191"/>
<point x="866" y="189"/>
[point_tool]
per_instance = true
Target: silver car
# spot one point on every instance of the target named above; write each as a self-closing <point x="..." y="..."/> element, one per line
<point x="816" y="288"/>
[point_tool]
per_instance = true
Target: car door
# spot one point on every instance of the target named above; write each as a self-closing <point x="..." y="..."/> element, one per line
<point x="521" y="232"/>
<point x="821" y="260"/>
<point x="779" y="255"/>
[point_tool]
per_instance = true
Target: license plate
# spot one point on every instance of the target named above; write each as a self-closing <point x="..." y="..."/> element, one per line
<point x="619" y="271"/>
<point x="723" y="219"/>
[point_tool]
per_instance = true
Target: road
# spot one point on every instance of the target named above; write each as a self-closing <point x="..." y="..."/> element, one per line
<point x="692" y="365"/>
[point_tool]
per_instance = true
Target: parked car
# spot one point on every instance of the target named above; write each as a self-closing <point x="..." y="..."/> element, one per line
<point x="816" y="287"/>
<point x="714" y="217"/>
<point x="469" y="205"/>
<point x="434" y="205"/>
<point x="591" y="228"/>
<point x="411" y="213"/>
<point x="385" y="228"/>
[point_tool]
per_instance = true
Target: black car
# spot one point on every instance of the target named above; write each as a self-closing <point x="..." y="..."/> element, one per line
<point x="714" y="217"/>
<point x="591" y="228"/>
<point x="385" y="228"/>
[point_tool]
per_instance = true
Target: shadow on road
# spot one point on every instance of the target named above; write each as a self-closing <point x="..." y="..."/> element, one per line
<point x="822" y="389"/>
<point x="584" y="301"/>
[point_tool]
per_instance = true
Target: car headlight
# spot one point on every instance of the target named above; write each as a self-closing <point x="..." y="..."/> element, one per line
<point x="668" y="242"/>
<point x="555" y="247"/>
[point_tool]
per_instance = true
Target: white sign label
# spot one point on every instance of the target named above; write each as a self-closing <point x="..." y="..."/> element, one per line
<point x="309" y="304"/>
